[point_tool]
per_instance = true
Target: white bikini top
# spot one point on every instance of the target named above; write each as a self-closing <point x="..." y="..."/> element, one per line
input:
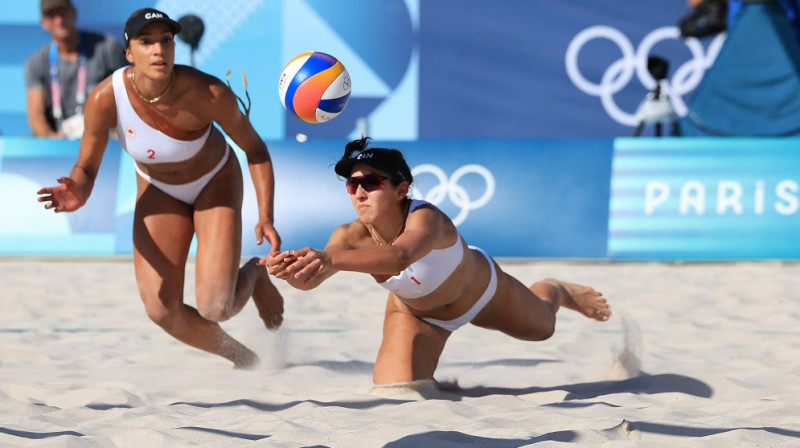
<point x="429" y="272"/>
<point x="144" y="143"/>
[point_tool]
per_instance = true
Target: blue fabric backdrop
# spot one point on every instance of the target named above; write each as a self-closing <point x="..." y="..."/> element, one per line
<point x="752" y="88"/>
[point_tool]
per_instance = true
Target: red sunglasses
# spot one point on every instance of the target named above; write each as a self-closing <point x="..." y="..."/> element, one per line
<point x="370" y="182"/>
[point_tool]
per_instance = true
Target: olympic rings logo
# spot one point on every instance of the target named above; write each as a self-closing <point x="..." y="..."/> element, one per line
<point x="451" y="188"/>
<point x="634" y="61"/>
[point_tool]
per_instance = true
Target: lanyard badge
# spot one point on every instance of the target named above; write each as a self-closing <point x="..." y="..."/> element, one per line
<point x="55" y="87"/>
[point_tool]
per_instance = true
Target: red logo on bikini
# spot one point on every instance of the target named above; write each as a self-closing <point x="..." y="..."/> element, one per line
<point x="415" y="280"/>
<point x="130" y="133"/>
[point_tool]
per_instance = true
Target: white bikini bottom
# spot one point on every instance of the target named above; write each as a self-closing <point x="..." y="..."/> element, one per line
<point x="187" y="192"/>
<point x="491" y="288"/>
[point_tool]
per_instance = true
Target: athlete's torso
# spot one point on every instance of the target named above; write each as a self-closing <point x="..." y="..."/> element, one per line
<point x="429" y="272"/>
<point x="144" y="143"/>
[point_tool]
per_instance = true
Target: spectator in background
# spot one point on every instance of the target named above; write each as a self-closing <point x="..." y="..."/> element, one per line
<point x="70" y="65"/>
<point x="705" y="18"/>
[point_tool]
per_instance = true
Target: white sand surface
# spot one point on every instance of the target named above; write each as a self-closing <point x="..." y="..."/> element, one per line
<point x="696" y="355"/>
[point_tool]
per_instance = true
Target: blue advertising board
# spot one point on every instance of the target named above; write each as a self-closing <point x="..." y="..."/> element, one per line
<point x="622" y="199"/>
<point x="514" y="198"/>
<point x="705" y="199"/>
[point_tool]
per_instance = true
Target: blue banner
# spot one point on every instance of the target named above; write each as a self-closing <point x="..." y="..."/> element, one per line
<point x="549" y="68"/>
<point x="623" y="199"/>
<point x="705" y="199"/>
<point x="513" y="198"/>
<point x="28" y="164"/>
<point x="452" y="69"/>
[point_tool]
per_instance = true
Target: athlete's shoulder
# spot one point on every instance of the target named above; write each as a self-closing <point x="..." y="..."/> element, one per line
<point x="201" y="83"/>
<point x="348" y="235"/>
<point x="193" y="74"/>
<point x="419" y="208"/>
<point x="104" y="90"/>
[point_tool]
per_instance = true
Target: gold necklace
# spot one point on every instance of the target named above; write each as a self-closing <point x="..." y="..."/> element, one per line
<point x="376" y="236"/>
<point x="154" y="100"/>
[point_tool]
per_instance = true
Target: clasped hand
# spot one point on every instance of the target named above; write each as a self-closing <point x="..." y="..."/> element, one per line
<point x="302" y="264"/>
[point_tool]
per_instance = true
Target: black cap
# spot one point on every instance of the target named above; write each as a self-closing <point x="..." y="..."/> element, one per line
<point x="49" y="5"/>
<point x="390" y="161"/>
<point x="143" y="17"/>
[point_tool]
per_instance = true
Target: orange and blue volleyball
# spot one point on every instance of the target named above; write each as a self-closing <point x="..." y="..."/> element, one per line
<point x="314" y="86"/>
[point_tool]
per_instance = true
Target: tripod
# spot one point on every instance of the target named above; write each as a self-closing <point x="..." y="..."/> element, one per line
<point x="656" y="108"/>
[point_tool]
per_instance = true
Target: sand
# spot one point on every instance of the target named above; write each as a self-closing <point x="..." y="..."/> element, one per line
<point x="704" y="355"/>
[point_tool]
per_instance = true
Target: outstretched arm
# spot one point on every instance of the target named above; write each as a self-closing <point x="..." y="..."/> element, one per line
<point x="282" y="264"/>
<point x="226" y="112"/>
<point x="307" y="268"/>
<point x="285" y="265"/>
<point x="99" y="116"/>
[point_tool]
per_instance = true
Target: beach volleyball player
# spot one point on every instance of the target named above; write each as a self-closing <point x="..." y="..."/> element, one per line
<point x="436" y="282"/>
<point x="189" y="184"/>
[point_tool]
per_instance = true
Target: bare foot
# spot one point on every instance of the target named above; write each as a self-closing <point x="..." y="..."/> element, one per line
<point x="266" y="297"/>
<point x="242" y="357"/>
<point x="246" y="361"/>
<point x="584" y="299"/>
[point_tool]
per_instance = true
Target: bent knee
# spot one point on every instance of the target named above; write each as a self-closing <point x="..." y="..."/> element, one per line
<point x="215" y="310"/>
<point x="533" y="335"/>
<point x="215" y="300"/>
<point x="215" y="306"/>
<point x="161" y="315"/>
<point x="544" y="333"/>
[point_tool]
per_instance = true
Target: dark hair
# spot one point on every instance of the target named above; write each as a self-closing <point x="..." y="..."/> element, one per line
<point x="390" y="161"/>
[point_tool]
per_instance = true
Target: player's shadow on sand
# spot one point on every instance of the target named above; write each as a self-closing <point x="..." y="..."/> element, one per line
<point x="643" y="384"/>
<point x="455" y="438"/>
<point x="452" y="438"/>
<point x="345" y="367"/>
<point x="277" y="407"/>
<point x="34" y="435"/>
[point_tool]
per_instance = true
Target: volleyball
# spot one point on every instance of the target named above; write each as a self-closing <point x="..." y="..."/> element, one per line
<point x="314" y="87"/>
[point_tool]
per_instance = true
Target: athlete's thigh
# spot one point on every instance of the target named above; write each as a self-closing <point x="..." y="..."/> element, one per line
<point x="162" y="235"/>
<point x="516" y="311"/>
<point x="218" y="229"/>
<point x="411" y="347"/>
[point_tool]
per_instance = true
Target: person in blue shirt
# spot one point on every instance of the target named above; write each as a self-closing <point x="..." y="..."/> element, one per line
<point x="71" y="65"/>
